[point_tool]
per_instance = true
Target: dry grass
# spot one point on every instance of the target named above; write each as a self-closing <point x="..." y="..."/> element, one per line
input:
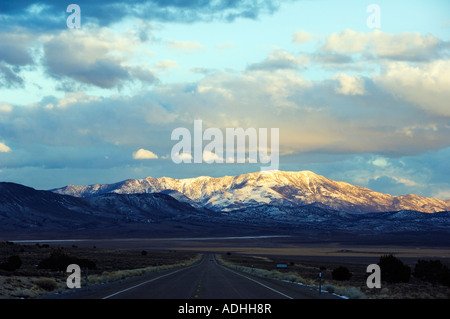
<point x="30" y="282"/>
<point x="305" y="272"/>
<point x="109" y="276"/>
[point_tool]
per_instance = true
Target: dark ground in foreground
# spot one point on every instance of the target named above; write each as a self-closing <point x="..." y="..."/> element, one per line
<point x="302" y="259"/>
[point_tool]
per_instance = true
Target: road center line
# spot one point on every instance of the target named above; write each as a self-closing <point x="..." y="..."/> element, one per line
<point x="146" y="282"/>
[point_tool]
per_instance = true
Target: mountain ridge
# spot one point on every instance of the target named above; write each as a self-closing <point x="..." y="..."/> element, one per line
<point x="25" y="208"/>
<point x="28" y="213"/>
<point x="229" y="193"/>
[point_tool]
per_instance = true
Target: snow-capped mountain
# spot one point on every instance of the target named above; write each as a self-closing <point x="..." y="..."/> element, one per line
<point x="270" y="209"/>
<point x="275" y="188"/>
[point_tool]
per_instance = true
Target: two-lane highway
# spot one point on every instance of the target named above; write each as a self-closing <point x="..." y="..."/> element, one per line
<point x="203" y="280"/>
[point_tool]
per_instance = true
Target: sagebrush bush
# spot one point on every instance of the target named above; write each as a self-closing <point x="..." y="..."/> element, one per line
<point x="341" y="273"/>
<point x="13" y="263"/>
<point x="351" y="292"/>
<point x="46" y="283"/>
<point x="432" y="271"/>
<point x="58" y="260"/>
<point x="393" y="270"/>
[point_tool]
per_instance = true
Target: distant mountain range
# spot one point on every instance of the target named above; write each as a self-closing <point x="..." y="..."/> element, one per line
<point x="277" y="188"/>
<point x="300" y="204"/>
<point x="24" y="210"/>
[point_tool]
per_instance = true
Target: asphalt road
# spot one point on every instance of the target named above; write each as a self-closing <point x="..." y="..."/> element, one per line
<point x="203" y="280"/>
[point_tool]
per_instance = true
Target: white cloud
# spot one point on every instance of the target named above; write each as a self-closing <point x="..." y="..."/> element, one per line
<point x="279" y="60"/>
<point x="210" y="157"/>
<point x="406" y="46"/>
<point x="14" y="48"/>
<point x="166" y="64"/>
<point x="426" y="85"/>
<point x="309" y="114"/>
<point x="442" y="194"/>
<point x="74" y="97"/>
<point x="187" y="46"/>
<point x="144" y="154"/>
<point x="4" y="148"/>
<point x="350" y="85"/>
<point x="96" y="56"/>
<point x="5" y="108"/>
<point x="405" y="181"/>
<point x="380" y="162"/>
<point x="182" y="157"/>
<point x="302" y="37"/>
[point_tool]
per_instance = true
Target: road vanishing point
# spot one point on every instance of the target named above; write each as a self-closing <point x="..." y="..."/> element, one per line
<point x="206" y="279"/>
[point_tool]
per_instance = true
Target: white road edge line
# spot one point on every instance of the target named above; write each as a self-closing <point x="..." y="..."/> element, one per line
<point x="146" y="282"/>
<point x="265" y="286"/>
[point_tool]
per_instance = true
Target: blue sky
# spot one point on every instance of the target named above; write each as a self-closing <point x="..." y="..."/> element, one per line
<point x="369" y="106"/>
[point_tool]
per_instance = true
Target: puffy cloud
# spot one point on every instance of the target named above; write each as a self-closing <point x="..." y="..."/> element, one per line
<point x="4" y="148"/>
<point x="80" y="121"/>
<point x="210" y="157"/>
<point x="350" y="85"/>
<point x="378" y="44"/>
<point x="279" y="60"/>
<point x="187" y="46"/>
<point x="144" y="154"/>
<point x="442" y="193"/>
<point x="391" y="184"/>
<point x="95" y="57"/>
<point x="312" y="116"/>
<point x="74" y="98"/>
<point x="14" y="48"/>
<point x="15" y="54"/>
<point x="5" y="108"/>
<point x="426" y="85"/>
<point x="302" y="37"/>
<point x="166" y="64"/>
<point x="380" y="162"/>
<point x="182" y="157"/>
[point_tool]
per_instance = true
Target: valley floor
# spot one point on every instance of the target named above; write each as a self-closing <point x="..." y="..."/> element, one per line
<point x="259" y="252"/>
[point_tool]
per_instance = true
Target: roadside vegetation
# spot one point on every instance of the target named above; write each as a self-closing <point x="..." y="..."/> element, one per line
<point x="427" y="279"/>
<point x="32" y="271"/>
